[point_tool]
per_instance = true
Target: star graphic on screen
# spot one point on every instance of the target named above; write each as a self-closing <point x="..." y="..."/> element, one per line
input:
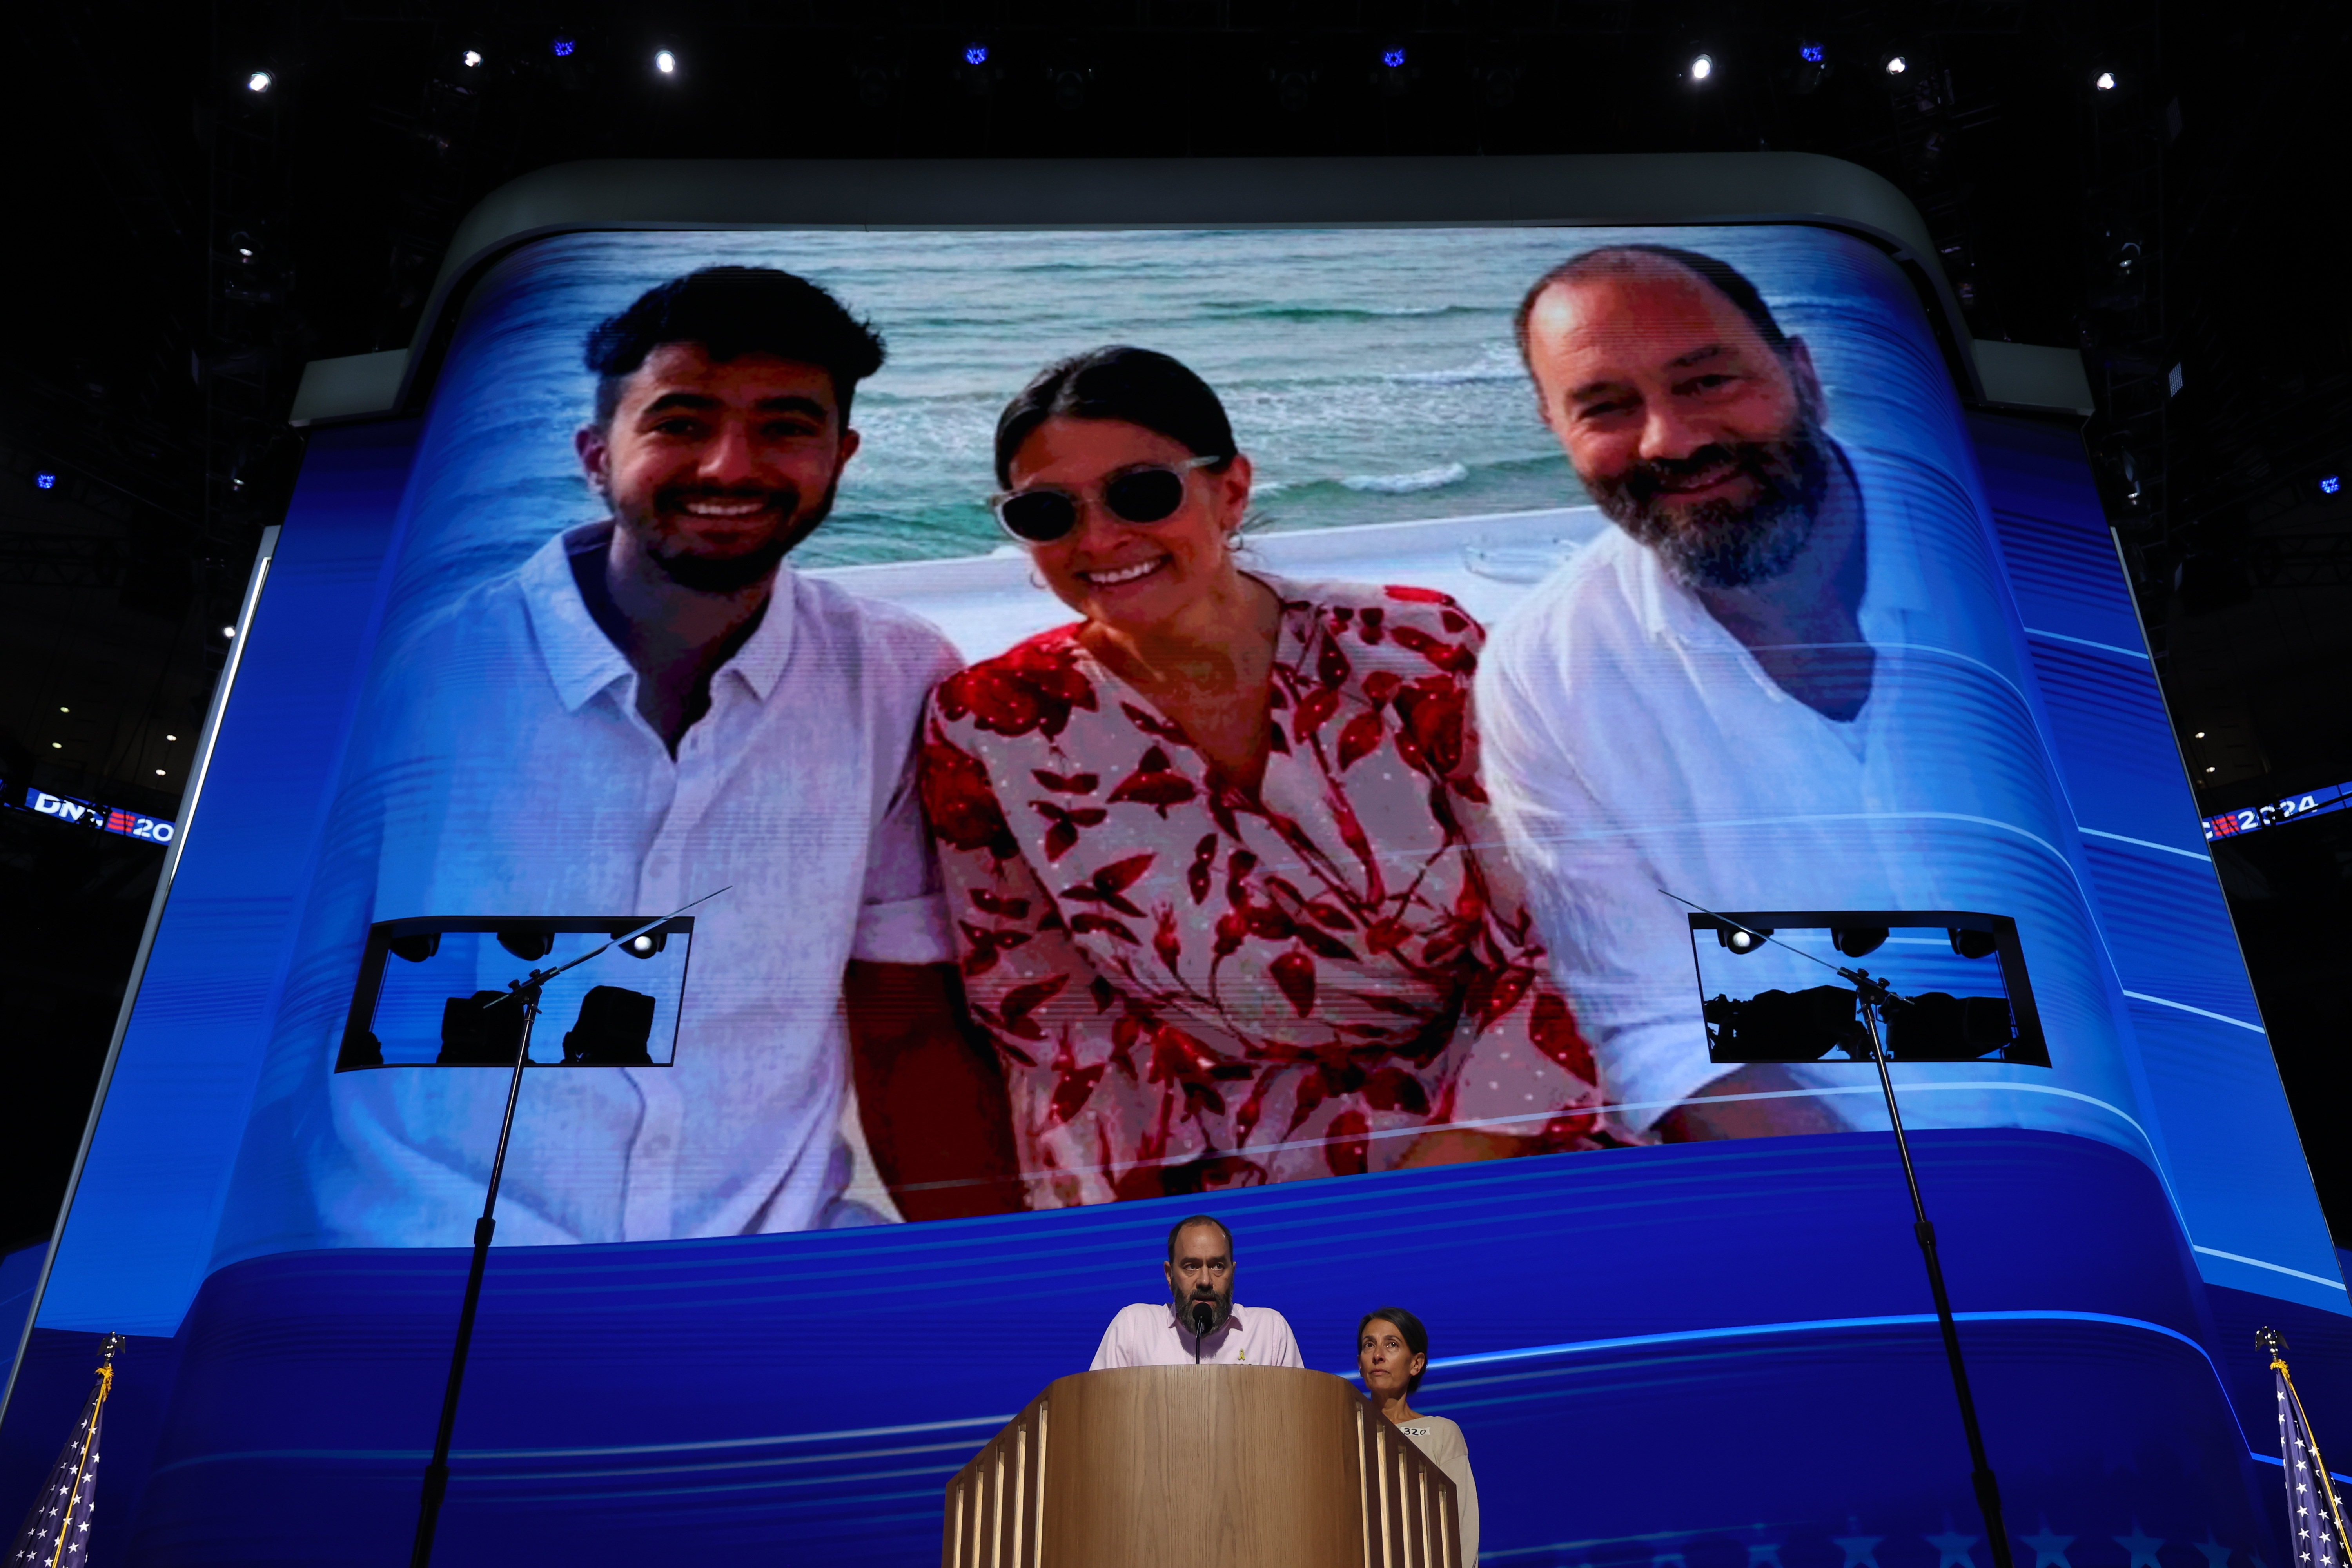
<point x="2049" y="1550"/>
<point x="1861" y="1551"/>
<point x="2216" y="1554"/>
<point x="1954" y="1547"/>
<point x="2141" y="1546"/>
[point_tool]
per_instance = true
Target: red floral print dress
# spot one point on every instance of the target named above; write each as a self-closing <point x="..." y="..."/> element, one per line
<point x="1195" y="987"/>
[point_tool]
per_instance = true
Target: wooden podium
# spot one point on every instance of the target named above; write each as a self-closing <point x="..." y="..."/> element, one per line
<point x="1201" y="1466"/>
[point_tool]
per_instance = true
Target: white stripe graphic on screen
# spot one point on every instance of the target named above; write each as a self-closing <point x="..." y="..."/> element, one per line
<point x="2199" y="856"/>
<point x="2201" y="1012"/>
<point x="2086" y="642"/>
<point x="2274" y="1268"/>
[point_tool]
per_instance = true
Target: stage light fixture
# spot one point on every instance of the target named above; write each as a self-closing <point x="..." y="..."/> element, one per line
<point x="45" y="481"/>
<point x="1812" y="53"/>
<point x="2199" y="736"/>
<point x="1741" y="939"/>
<point x="228" y="631"/>
<point x="2107" y="82"/>
<point x="975" y="54"/>
<point x="530" y="946"/>
<point x="1858" y="941"/>
<point x="170" y="737"/>
<point x="61" y="745"/>
<point x="1972" y="943"/>
<point x="1896" y="65"/>
<point x="562" y="47"/>
<point x="473" y="58"/>
<point x="63" y="709"/>
<point x="2329" y="484"/>
<point x="645" y="945"/>
<point x="159" y="773"/>
<point x="2209" y="769"/>
<point x="666" y="63"/>
<point x="1701" y="68"/>
<point x="259" y="82"/>
<point x="1392" y="59"/>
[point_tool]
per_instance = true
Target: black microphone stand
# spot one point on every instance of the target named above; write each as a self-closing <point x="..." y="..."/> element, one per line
<point x="1874" y="996"/>
<point x="1203" y="1316"/>
<point x="525" y="994"/>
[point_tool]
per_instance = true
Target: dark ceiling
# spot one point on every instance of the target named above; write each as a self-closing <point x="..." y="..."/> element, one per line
<point x="186" y="244"/>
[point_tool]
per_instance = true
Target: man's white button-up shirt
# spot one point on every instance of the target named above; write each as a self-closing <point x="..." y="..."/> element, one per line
<point x="1632" y="744"/>
<point x="509" y="772"/>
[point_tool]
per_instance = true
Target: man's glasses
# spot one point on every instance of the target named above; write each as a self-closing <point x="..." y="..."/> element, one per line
<point x="1042" y="514"/>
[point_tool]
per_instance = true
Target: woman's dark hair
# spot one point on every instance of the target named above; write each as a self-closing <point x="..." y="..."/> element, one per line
<point x="1417" y="1338"/>
<point x="1136" y="385"/>
<point x="732" y="311"/>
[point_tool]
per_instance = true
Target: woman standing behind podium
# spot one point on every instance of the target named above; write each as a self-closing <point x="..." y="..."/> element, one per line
<point x="1391" y="1353"/>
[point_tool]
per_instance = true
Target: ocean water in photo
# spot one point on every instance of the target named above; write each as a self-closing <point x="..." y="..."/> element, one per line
<point x="1370" y="373"/>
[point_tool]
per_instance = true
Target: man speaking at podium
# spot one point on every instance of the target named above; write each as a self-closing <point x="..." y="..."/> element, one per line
<point x="1199" y="1322"/>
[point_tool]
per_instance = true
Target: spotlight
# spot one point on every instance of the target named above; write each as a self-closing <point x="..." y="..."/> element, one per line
<point x="61" y="745"/>
<point x="170" y="737"/>
<point x="45" y="481"/>
<point x="2199" y="735"/>
<point x="1701" y="68"/>
<point x="1812" y="53"/>
<point x="418" y="946"/>
<point x="1972" y="943"/>
<point x="975" y="54"/>
<point x="530" y="946"/>
<point x="473" y="58"/>
<point x="666" y="63"/>
<point x="159" y="773"/>
<point x="259" y="82"/>
<point x="2330" y="484"/>
<point x="2107" y="82"/>
<point x="1392" y="59"/>
<point x="1741" y="939"/>
<point x="1858" y="941"/>
<point x="63" y="709"/>
<point x="228" y="631"/>
<point x="647" y="945"/>
<point x="562" y="47"/>
<point x="1896" y="65"/>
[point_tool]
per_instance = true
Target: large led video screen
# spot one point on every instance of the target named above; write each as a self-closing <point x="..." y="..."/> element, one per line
<point x="1174" y="711"/>
<point x="1387" y="735"/>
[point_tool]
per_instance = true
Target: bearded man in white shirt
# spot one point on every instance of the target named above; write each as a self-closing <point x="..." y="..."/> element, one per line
<point x="652" y="706"/>
<point x="1780" y="682"/>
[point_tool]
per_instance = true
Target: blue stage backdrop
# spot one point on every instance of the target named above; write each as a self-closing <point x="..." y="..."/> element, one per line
<point x="1666" y="1343"/>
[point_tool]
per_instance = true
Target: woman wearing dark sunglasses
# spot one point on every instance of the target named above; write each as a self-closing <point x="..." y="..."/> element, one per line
<point x="1210" y="847"/>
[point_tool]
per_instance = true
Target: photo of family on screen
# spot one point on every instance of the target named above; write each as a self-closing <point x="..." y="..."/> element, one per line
<point x="1021" y="630"/>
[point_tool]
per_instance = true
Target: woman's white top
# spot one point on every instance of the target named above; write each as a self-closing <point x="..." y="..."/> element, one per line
<point x="1441" y="1440"/>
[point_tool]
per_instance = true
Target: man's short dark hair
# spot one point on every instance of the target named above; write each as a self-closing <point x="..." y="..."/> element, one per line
<point x="1190" y="1220"/>
<point x="1611" y="259"/>
<point x="732" y="311"/>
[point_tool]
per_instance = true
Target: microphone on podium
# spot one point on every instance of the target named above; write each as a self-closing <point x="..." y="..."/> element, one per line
<point x="1204" y="1317"/>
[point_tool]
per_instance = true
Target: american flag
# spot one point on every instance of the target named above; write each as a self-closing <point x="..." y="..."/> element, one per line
<point x="2314" y="1517"/>
<point x="56" y="1533"/>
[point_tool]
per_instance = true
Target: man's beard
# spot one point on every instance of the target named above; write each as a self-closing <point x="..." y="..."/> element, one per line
<point x="727" y="573"/>
<point x="1724" y="544"/>
<point x="1221" y="1308"/>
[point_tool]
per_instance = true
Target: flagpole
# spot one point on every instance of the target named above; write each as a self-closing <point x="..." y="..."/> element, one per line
<point x="2273" y="1342"/>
